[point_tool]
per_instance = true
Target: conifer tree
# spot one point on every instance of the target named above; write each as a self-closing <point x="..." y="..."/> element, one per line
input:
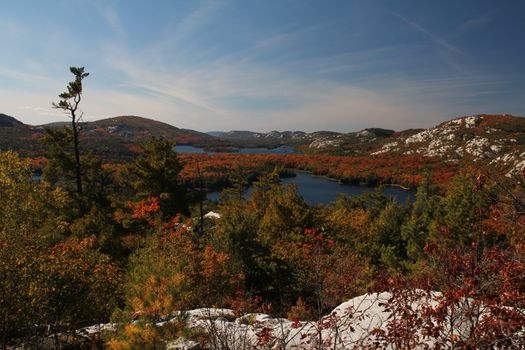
<point x="418" y="226"/>
<point x="157" y="174"/>
<point x="69" y="102"/>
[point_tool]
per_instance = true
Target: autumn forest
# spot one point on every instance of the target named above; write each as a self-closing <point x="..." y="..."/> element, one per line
<point x="133" y="245"/>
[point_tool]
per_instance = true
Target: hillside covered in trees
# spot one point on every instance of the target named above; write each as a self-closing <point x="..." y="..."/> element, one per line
<point x="135" y="248"/>
<point x="113" y="139"/>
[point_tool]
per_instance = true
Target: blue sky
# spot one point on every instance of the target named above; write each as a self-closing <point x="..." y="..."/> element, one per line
<point x="266" y="65"/>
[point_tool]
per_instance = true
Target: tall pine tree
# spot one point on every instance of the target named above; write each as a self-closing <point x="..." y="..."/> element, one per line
<point x="156" y="173"/>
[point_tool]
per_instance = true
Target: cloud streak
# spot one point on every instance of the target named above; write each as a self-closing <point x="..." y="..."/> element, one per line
<point x="113" y="21"/>
<point x="435" y="38"/>
<point x="341" y="106"/>
<point x="293" y="74"/>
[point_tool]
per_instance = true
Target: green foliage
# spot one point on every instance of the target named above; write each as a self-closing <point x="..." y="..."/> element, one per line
<point x="253" y="228"/>
<point x="74" y="90"/>
<point x="418" y="226"/>
<point x="387" y="242"/>
<point x="61" y="167"/>
<point x="69" y="103"/>
<point x="270" y="237"/>
<point x="171" y="272"/>
<point x="285" y="216"/>
<point x="44" y="278"/>
<point x="156" y="173"/>
<point x="370" y="224"/>
<point x="461" y="211"/>
<point x="59" y="249"/>
<point x="61" y="170"/>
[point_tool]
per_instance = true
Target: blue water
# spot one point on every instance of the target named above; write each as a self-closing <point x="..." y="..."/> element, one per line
<point x="188" y="149"/>
<point x="278" y="150"/>
<point x="319" y="190"/>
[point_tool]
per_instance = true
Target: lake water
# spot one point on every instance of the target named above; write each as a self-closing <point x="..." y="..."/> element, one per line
<point x="188" y="149"/>
<point x="277" y="150"/>
<point x="319" y="190"/>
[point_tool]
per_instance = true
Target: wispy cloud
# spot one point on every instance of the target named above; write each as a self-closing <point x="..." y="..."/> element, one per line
<point x="43" y="111"/>
<point x="435" y="38"/>
<point x="27" y="76"/>
<point x="228" y="91"/>
<point x="9" y="28"/>
<point x="195" y="20"/>
<point x="476" y="22"/>
<point x="111" y="16"/>
<point x="261" y="78"/>
<point x="449" y="53"/>
<point x="160" y="82"/>
<point x="303" y="101"/>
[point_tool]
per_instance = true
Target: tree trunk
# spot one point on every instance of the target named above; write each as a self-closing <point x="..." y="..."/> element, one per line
<point x="78" y="169"/>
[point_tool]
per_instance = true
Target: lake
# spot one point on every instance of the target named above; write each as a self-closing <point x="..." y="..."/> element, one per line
<point x="320" y="190"/>
<point x="277" y="150"/>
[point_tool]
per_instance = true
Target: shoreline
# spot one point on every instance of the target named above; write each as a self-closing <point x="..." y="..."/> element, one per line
<point x="325" y="177"/>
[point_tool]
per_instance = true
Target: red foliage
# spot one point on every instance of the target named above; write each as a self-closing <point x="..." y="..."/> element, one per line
<point x="39" y="162"/>
<point x="403" y="170"/>
<point x="132" y="147"/>
<point x="144" y="208"/>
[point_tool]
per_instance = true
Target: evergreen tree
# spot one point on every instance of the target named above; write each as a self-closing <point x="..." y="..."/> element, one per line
<point x="387" y="243"/>
<point x="417" y="228"/>
<point x="461" y="212"/>
<point x="69" y="102"/>
<point x="156" y="173"/>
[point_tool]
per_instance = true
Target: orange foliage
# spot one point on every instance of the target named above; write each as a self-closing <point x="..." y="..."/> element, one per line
<point x="403" y="170"/>
<point x="212" y="260"/>
<point x="38" y="162"/>
<point x="144" y="208"/>
<point x="132" y="147"/>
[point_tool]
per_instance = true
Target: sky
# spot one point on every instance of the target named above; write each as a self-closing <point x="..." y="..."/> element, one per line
<point x="268" y="64"/>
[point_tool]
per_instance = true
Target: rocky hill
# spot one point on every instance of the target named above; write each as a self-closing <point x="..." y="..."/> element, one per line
<point x="353" y="143"/>
<point x="491" y="139"/>
<point x="330" y="142"/>
<point x="247" y="135"/>
<point x="498" y="140"/>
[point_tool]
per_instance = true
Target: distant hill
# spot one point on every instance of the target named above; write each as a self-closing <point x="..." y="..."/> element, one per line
<point x="113" y="138"/>
<point x="16" y="135"/>
<point x="331" y="142"/>
<point x="8" y="121"/>
<point x="498" y="140"/>
<point x="247" y="135"/>
<point x="138" y="128"/>
<point x="352" y="143"/>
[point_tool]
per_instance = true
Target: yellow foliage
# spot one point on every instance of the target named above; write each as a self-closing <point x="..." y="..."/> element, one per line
<point x="118" y="344"/>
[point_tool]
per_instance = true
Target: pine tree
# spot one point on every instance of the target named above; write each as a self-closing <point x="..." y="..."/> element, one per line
<point x="69" y="102"/>
<point x="418" y="226"/>
<point x="157" y="174"/>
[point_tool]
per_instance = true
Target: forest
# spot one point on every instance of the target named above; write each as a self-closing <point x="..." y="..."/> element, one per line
<point x="91" y="243"/>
